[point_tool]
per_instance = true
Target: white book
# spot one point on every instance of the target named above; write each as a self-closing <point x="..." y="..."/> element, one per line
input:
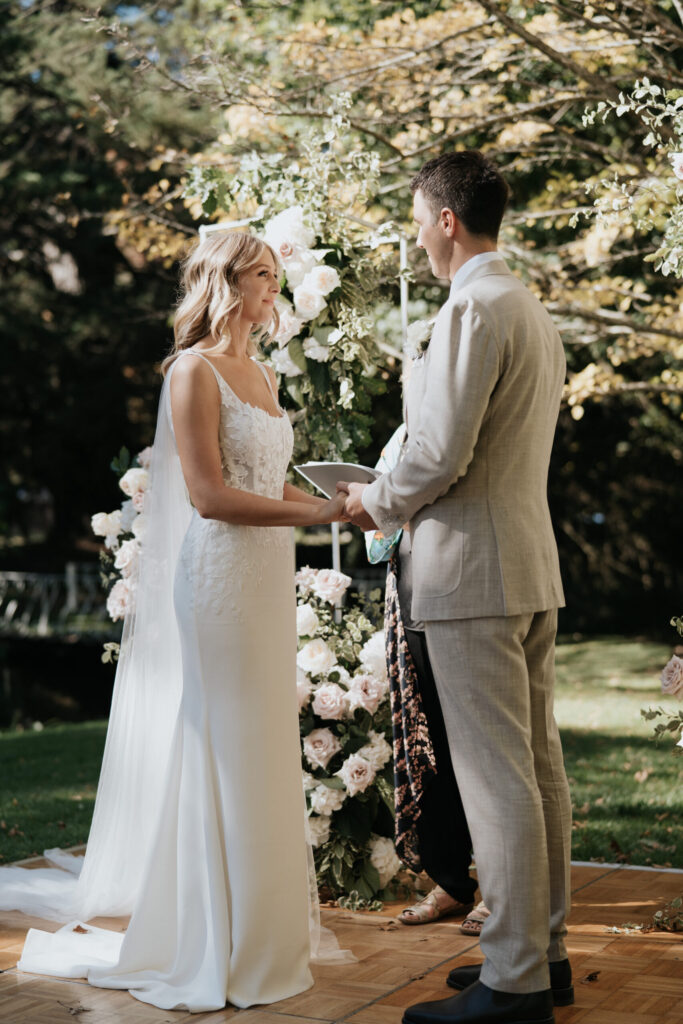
<point x="324" y="475"/>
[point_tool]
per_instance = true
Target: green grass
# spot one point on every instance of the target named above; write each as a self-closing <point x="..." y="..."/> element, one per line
<point x="48" y="787"/>
<point x="626" y="790"/>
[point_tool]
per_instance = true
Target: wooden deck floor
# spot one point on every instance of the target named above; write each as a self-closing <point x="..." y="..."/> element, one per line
<point x="619" y="978"/>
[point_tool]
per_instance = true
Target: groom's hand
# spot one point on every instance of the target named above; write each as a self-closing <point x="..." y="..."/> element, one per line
<point x="354" y="509"/>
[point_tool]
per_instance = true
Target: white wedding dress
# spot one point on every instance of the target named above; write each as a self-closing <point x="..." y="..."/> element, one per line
<point x="220" y="901"/>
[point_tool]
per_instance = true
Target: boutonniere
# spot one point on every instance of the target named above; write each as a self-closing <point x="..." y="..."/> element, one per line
<point x="418" y="337"/>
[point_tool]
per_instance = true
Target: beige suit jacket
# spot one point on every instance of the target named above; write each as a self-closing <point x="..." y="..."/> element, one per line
<point x="481" y="412"/>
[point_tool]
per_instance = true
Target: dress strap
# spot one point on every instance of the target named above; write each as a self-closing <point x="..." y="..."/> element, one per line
<point x="194" y="352"/>
<point x="269" y="383"/>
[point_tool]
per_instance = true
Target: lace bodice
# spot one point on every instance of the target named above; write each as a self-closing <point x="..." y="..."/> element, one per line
<point x="218" y="559"/>
<point x="255" y="447"/>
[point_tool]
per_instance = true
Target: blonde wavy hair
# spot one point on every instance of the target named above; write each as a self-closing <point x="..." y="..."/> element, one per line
<point x="211" y="294"/>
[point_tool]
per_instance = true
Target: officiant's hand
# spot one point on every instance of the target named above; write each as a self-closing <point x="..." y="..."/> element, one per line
<point x="354" y="509"/>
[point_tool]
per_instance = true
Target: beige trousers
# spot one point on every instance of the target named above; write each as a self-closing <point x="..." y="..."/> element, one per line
<point x="495" y="679"/>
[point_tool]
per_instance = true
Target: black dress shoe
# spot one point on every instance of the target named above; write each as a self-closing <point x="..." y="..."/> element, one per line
<point x="560" y="980"/>
<point x="479" y="1004"/>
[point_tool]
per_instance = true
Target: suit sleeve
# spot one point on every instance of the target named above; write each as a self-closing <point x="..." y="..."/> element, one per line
<point x="463" y="367"/>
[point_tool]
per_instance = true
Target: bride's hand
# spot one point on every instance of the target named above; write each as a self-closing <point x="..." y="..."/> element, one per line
<point x="332" y="511"/>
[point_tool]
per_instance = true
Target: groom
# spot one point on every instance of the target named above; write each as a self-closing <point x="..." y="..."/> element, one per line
<point x="481" y="411"/>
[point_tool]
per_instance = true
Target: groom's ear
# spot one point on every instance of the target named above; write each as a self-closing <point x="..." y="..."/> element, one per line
<point x="448" y="222"/>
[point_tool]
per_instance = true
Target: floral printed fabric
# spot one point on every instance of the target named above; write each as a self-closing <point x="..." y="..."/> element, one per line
<point x="414" y="761"/>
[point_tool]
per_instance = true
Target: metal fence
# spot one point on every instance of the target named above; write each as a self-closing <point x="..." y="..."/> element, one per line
<point x="49" y="604"/>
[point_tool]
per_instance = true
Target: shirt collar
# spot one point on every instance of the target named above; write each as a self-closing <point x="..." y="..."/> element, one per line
<point x="470" y="266"/>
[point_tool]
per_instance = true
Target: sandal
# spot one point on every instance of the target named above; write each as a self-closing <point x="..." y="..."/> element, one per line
<point x="429" y="909"/>
<point x="474" y="922"/>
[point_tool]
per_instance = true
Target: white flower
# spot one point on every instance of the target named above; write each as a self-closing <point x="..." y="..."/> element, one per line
<point x="365" y="691"/>
<point x="417" y="338"/>
<point x="325" y="800"/>
<point x="322" y="279"/>
<point x="128" y="515"/>
<point x="298" y="265"/>
<point x="306" y="620"/>
<point x="138" y="500"/>
<point x="309" y="781"/>
<point x="308" y="303"/>
<point x="127" y="556"/>
<point x="289" y="326"/>
<point x="377" y="751"/>
<point x="319" y="746"/>
<point x="329" y="701"/>
<point x="383" y="857"/>
<point x="145" y="457"/>
<point x="289" y="228"/>
<point x="314" y="350"/>
<point x="373" y="658"/>
<point x="304" y="688"/>
<point x="330" y="585"/>
<point x="120" y="600"/>
<point x="139" y="526"/>
<point x="106" y="524"/>
<point x="134" y="481"/>
<point x="305" y="578"/>
<point x="283" y="363"/>
<point x="677" y="164"/>
<point x="316" y="658"/>
<point x="319" y="829"/>
<point x="672" y="677"/>
<point x="356" y="773"/>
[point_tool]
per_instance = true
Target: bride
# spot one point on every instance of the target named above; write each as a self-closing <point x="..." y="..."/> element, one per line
<point x="199" y="824"/>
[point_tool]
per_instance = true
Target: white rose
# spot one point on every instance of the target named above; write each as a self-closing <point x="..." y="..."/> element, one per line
<point x="305" y="578"/>
<point x="672" y="677"/>
<point x="289" y="326"/>
<point x="319" y="829"/>
<point x="314" y="350"/>
<point x="325" y="800"/>
<point x="283" y="363"/>
<point x="134" y="481"/>
<point x="357" y="774"/>
<point x="320" y="746"/>
<point x="365" y="691"/>
<point x="127" y="556"/>
<point x="330" y="585"/>
<point x="304" y="688"/>
<point x="139" y="526"/>
<point x="298" y="265"/>
<point x="138" y="500"/>
<point x="145" y="457"/>
<point x="316" y="658"/>
<point x="383" y="857"/>
<point x="308" y="303"/>
<point x="128" y="515"/>
<point x="373" y="657"/>
<point x="677" y="163"/>
<point x="377" y="751"/>
<point x="106" y="524"/>
<point x="288" y="227"/>
<point x="329" y="701"/>
<point x="306" y="620"/>
<point x="120" y="600"/>
<point x="322" y="279"/>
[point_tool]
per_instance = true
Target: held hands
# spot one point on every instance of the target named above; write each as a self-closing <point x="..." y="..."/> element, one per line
<point x="354" y="510"/>
<point x="332" y="511"/>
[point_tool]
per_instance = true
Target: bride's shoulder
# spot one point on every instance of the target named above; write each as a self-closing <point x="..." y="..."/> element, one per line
<point x="191" y="370"/>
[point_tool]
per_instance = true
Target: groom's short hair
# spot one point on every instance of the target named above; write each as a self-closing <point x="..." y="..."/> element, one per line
<point x="469" y="185"/>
